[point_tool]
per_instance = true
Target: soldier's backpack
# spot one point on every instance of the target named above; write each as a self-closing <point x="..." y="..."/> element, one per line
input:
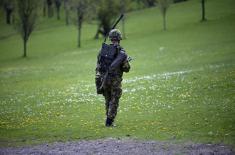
<point x="107" y="55"/>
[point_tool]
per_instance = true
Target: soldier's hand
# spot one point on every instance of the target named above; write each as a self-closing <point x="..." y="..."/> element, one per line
<point x="129" y="58"/>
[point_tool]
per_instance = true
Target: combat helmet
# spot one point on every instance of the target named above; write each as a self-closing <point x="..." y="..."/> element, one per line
<point x="115" y="34"/>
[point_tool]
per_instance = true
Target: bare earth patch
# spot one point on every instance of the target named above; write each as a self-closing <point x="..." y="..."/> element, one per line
<point x="122" y="147"/>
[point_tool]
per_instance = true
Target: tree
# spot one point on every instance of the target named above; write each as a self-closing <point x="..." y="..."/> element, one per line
<point x="27" y="15"/>
<point x="44" y="8"/>
<point x="164" y="5"/>
<point x="106" y="13"/>
<point x="66" y="11"/>
<point x="150" y="3"/>
<point x="58" y="5"/>
<point x="124" y="7"/>
<point x="203" y="11"/>
<point x="8" y="7"/>
<point x="50" y="8"/>
<point x="81" y="9"/>
<point x="44" y="5"/>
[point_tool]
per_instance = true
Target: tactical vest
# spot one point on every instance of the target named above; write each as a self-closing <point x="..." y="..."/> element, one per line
<point x="107" y="55"/>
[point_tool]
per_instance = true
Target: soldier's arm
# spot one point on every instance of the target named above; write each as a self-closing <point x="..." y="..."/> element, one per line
<point x="126" y="66"/>
<point x="98" y="81"/>
<point x="121" y="57"/>
<point x="98" y="63"/>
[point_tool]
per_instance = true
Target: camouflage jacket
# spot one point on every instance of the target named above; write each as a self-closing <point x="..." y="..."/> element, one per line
<point x="118" y="64"/>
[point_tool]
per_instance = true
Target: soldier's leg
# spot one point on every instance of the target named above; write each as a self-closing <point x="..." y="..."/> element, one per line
<point x="116" y="93"/>
<point x="107" y="96"/>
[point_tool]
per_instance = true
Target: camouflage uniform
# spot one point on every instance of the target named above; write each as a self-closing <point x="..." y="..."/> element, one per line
<point x="112" y="90"/>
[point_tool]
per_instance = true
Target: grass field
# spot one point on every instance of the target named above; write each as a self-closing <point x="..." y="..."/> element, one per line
<point x="181" y="85"/>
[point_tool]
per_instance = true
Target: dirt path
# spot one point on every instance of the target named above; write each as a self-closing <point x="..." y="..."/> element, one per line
<point x="123" y="147"/>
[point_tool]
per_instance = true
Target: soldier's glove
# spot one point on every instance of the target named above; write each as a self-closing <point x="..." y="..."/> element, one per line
<point x="126" y="65"/>
<point x="98" y="83"/>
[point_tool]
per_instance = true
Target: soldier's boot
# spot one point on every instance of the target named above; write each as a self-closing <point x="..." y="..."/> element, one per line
<point x="109" y="122"/>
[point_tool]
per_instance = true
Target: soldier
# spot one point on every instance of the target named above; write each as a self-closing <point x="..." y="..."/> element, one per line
<point x="111" y="64"/>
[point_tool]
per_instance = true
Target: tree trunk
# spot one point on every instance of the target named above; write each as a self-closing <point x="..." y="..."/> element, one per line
<point x="164" y="21"/>
<point x="50" y="11"/>
<point x="97" y="32"/>
<point x="80" y="18"/>
<point x="203" y="10"/>
<point x="58" y="13"/>
<point x="79" y="36"/>
<point x="66" y="11"/>
<point x="44" y="8"/>
<point x="50" y="8"/>
<point x="8" y="16"/>
<point x="106" y="29"/>
<point x="25" y="48"/>
<point x="150" y="3"/>
<point x="67" y="17"/>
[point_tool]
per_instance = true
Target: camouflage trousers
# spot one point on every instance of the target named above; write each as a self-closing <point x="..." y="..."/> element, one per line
<point x="112" y="94"/>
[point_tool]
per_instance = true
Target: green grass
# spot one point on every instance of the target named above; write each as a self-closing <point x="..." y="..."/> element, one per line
<point x="181" y="86"/>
